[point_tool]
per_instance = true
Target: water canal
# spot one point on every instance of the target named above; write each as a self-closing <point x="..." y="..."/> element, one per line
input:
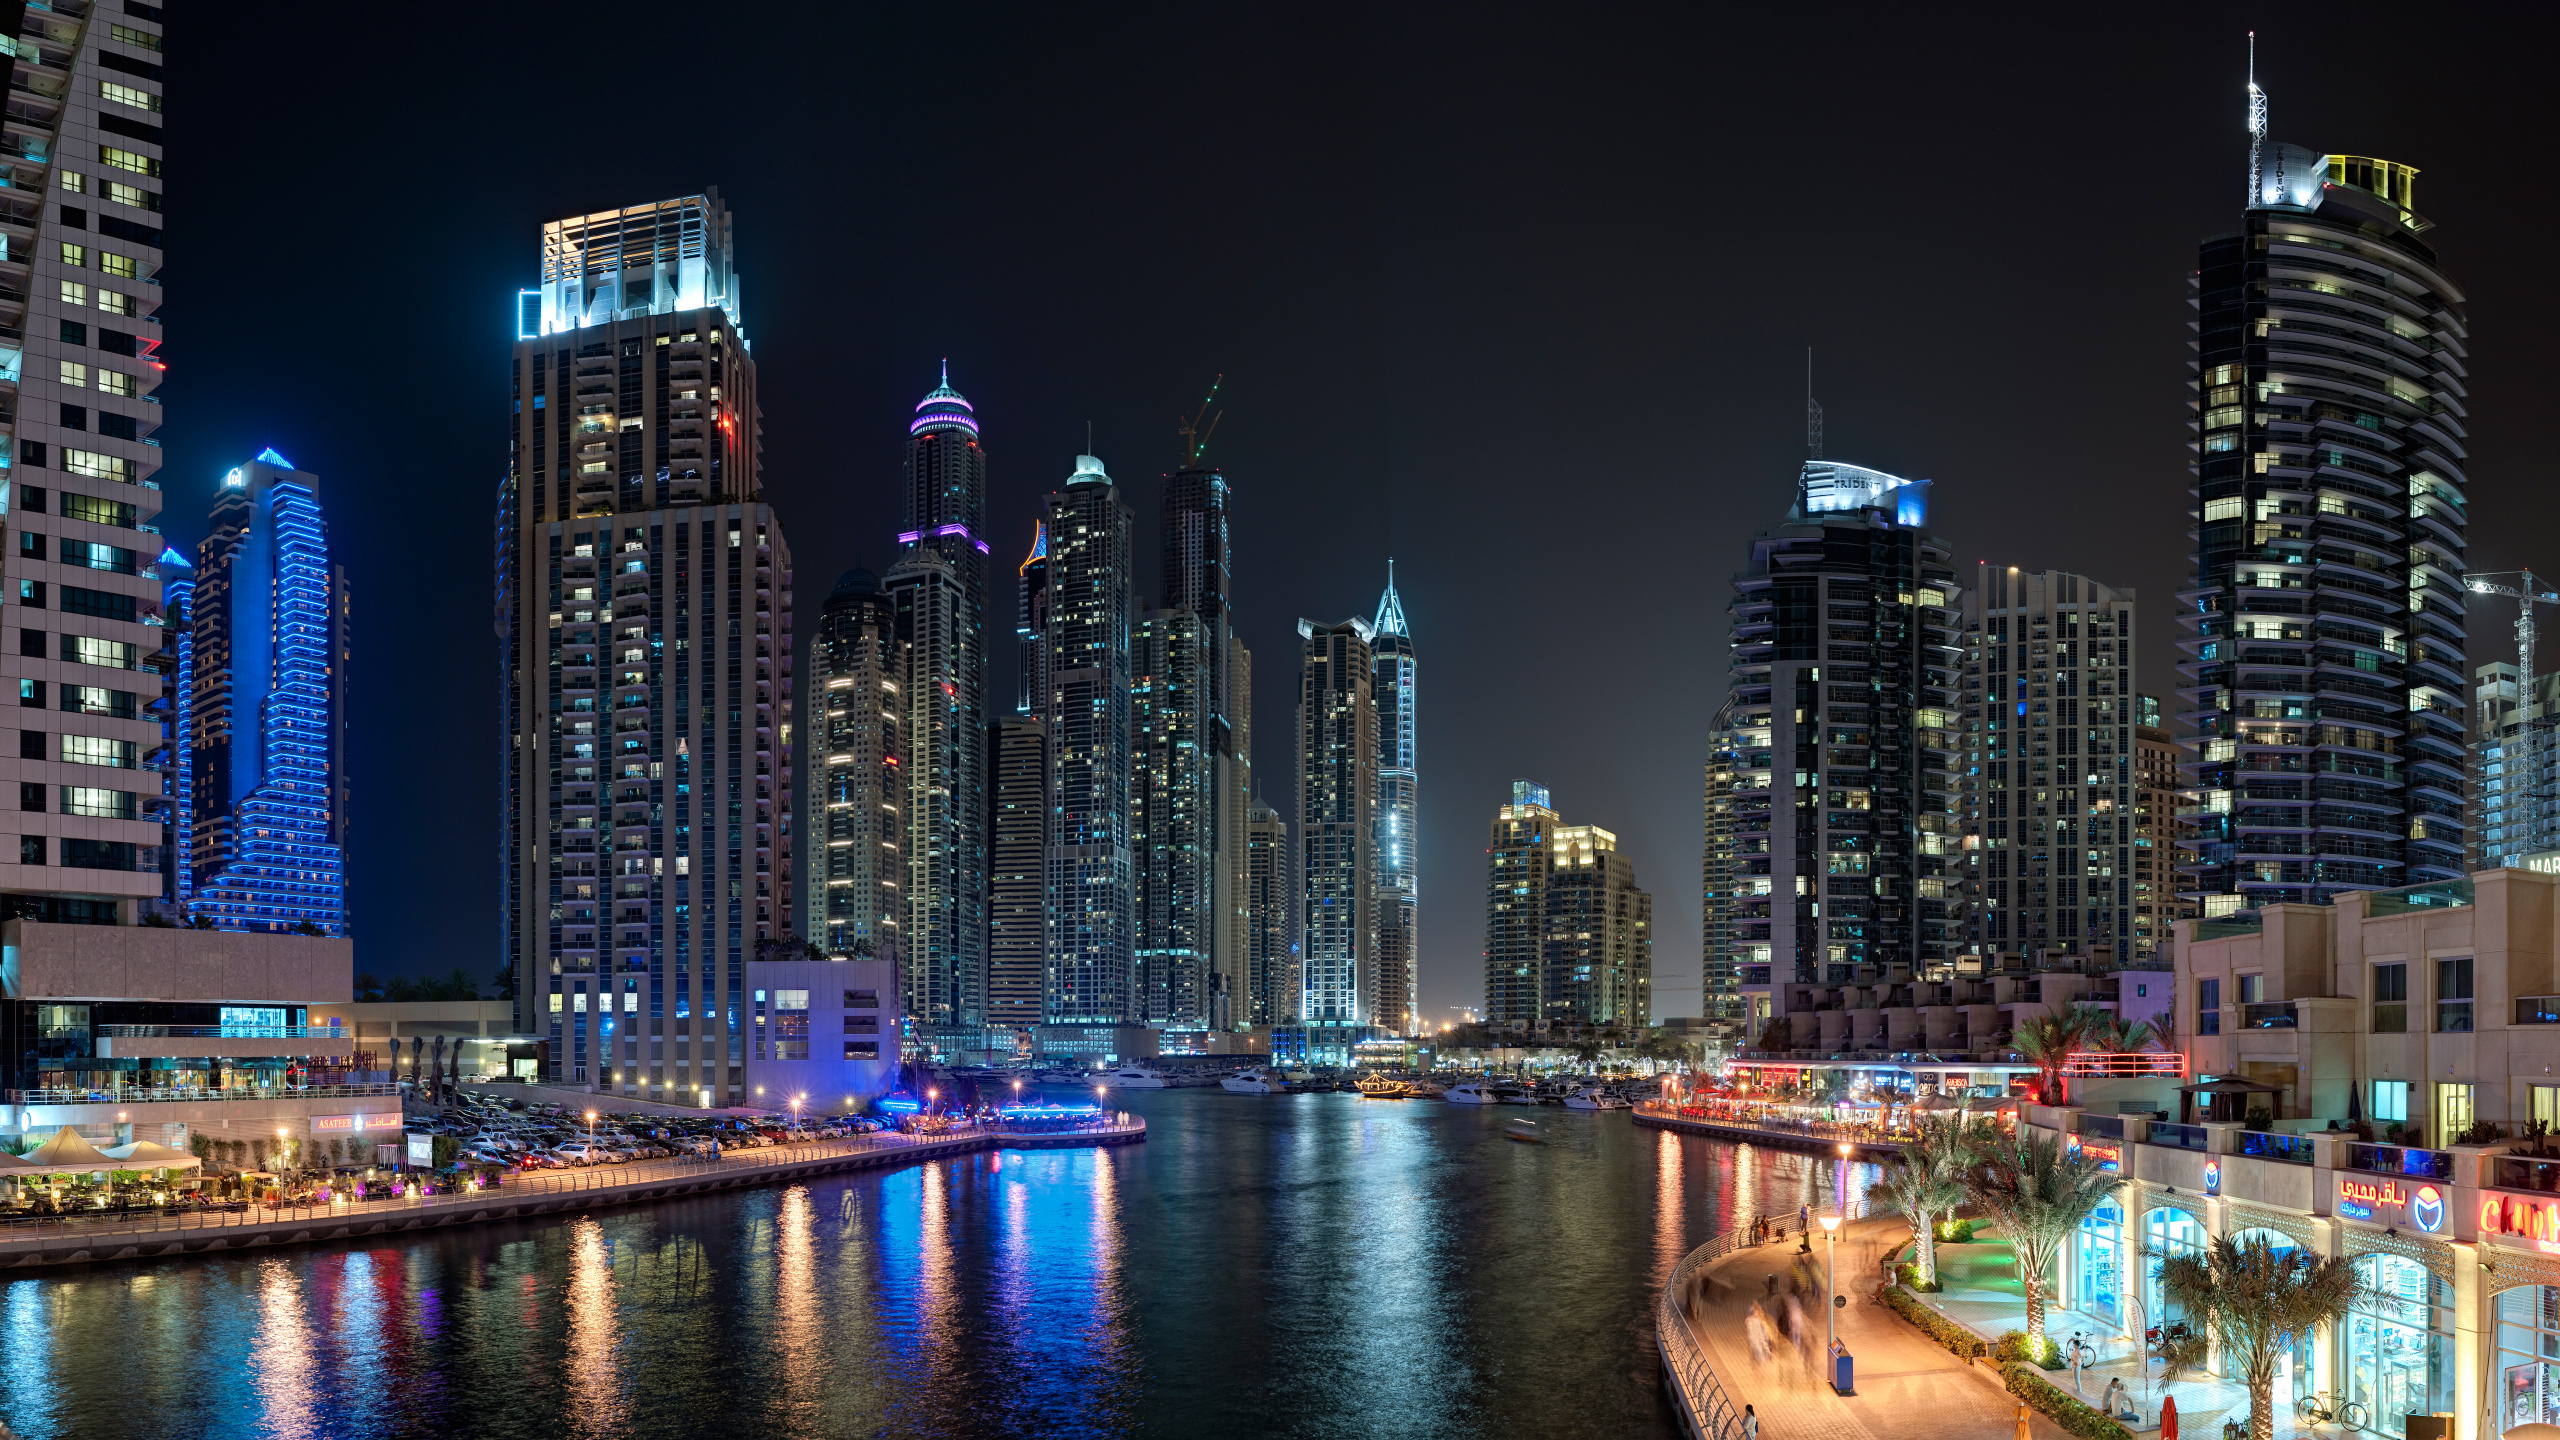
<point x="1313" y="1265"/>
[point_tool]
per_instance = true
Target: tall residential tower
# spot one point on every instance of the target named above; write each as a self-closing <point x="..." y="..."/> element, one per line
<point x="1092" y="977"/>
<point x="1337" y="835"/>
<point x="1392" y="692"/>
<point x="854" y="902"/>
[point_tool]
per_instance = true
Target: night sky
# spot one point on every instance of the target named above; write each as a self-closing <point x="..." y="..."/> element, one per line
<point x="1519" y="296"/>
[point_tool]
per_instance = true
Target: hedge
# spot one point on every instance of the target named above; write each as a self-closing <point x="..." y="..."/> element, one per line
<point x="2063" y="1410"/>
<point x="1960" y="1342"/>
<point x="2012" y="1345"/>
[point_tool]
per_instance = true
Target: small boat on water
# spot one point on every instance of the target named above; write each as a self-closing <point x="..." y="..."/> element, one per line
<point x="1424" y="1089"/>
<point x="1256" y="1081"/>
<point x="1133" y="1075"/>
<point x="1514" y="1095"/>
<point x="1470" y="1092"/>
<point x="1595" y="1099"/>
<point x="1379" y="1087"/>
<point x="1522" y="1130"/>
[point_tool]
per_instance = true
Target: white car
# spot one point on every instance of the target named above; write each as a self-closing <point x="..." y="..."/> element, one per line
<point x="578" y="1152"/>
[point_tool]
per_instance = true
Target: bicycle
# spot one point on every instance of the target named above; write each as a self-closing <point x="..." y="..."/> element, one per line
<point x="2316" y="1410"/>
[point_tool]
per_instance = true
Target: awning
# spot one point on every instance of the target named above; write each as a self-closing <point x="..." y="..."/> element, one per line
<point x="68" y="1153"/>
<point x="150" y="1155"/>
<point x="2229" y="1086"/>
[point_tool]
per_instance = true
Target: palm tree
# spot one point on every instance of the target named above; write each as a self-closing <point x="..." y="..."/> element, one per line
<point x="2037" y="1196"/>
<point x="2049" y="1039"/>
<point x="2111" y="1031"/>
<point x="1923" y="1187"/>
<point x="2256" y="1299"/>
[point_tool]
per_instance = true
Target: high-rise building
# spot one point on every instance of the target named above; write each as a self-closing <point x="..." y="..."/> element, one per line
<point x="1391" y="690"/>
<point x="938" y="588"/>
<point x="1092" y="977"/>
<point x="2047" y="788"/>
<point x="1271" y="911"/>
<point x="854" y="902"/>
<point x="2324" y="676"/>
<point x="1730" y="897"/>
<point x="2515" y="768"/>
<point x="1193" y="706"/>
<point x="261" y="707"/>
<point x="1597" y="965"/>
<point x="2156" y="906"/>
<point x="1017" y="890"/>
<point x="644" y="624"/>
<point x="85" y="154"/>
<point x="1031" y="625"/>
<point x="1515" y="908"/>
<point x="1337" y="833"/>
<point x="1844" y="674"/>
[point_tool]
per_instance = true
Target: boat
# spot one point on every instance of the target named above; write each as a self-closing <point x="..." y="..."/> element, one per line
<point x="1523" y="1130"/>
<point x="1256" y="1081"/>
<point x="1132" y="1075"/>
<point x="1514" y="1095"/>
<point x="1063" y="1077"/>
<point x="1470" y="1092"/>
<point x="1379" y="1087"/>
<point x="1595" y="1099"/>
<point x="1424" y="1089"/>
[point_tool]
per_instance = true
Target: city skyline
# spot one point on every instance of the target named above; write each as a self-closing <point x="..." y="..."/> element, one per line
<point x="1316" y="416"/>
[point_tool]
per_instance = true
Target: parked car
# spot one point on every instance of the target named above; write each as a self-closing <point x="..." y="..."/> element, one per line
<point x="577" y="1152"/>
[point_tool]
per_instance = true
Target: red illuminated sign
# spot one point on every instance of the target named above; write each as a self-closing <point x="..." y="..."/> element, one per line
<point x="2537" y="1221"/>
<point x="2108" y="1156"/>
<point x="2366" y="1192"/>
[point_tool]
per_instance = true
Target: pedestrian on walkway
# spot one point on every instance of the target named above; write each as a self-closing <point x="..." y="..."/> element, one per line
<point x="1750" y="1423"/>
<point x="2077" y="1351"/>
<point x="1755" y="1329"/>
<point x="1773" y="1285"/>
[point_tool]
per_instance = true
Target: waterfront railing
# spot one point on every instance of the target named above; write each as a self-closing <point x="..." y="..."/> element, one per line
<point x="104" y="1224"/>
<point x="1710" y="1410"/>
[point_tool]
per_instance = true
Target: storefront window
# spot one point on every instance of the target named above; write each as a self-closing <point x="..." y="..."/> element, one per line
<point x="2399" y="1342"/>
<point x="2101" y="1247"/>
<point x="2166" y="1233"/>
<point x="2528" y="1364"/>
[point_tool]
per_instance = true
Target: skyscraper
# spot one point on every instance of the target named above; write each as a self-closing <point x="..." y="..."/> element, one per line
<point x="261" y="701"/>
<point x="1271" y="910"/>
<point x="2047" y="788"/>
<point x="854" y="901"/>
<point x="85" y="133"/>
<point x="1597" y="961"/>
<point x="2512" y="768"/>
<point x="2324" y="677"/>
<point x="1515" y="908"/>
<point x="2156" y="906"/>
<point x="644" y="623"/>
<point x="1391" y="690"/>
<point x="938" y="589"/>
<point x="1017" y="890"/>
<point x="1092" y="976"/>
<point x="1337" y="835"/>
<point x="1843" y="672"/>
<point x="1730" y="898"/>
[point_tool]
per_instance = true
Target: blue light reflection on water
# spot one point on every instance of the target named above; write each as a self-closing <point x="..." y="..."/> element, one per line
<point x="1262" y="1266"/>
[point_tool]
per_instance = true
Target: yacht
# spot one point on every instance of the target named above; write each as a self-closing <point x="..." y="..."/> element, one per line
<point x="1379" y="1087"/>
<point x="1256" y="1081"/>
<point x="1063" y="1077"/>
<point x="1595" y="1099"/>
<point x="1514" y="1095"/>
<point x="1424" y="1089"/>
<point x="1132" y="1075"/>
<point x="1469" y="1092"/>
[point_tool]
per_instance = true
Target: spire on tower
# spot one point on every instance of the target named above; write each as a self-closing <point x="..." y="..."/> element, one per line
<point x="1812" y="411"/>
<point x="1390" y="619"/>
<point x="2257" y="127"/>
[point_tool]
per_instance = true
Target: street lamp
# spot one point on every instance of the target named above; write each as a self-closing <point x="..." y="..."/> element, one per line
<point x="280" y="1145"/>
<point x="591" y="1128"/>
<point x="795" y="1114"/>
<point x="1831" y="1230"/>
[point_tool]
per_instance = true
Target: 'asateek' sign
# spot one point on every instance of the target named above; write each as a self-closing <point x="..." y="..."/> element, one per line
<point x="2420" y="1207"/>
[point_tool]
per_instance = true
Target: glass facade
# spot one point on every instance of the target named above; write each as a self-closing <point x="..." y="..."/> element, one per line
<point x="2399" y="1342"/>
<point x="2166" y="1233"/>
<point x="2099" y="1251"/>
<point x="2527" y="1368"/>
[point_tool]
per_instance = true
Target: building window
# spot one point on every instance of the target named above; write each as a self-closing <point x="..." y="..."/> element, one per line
<point x="862" y="1049"/>
<point x="2253" y="989"/>
<point x="139" y="164"/>
<point x="2209" y="1007"/>
<point x="74" y="293"/>
<point x="2453" y="1111"/>
<point x="2399" y="1340"/>
<point x="75" y="374"/>
<point x="97" y="854"/>
<point x="97" y="466"/>
<point x="99" y="750"/>
<point x="2390" y="1102"/>
<point x="116" y="382"/>
<point x="76" y="256"/>
<point x="2390" y="999"/>
<point x="128" y="95"/>
<point x="103" y="804"/>
<point x="2453" y="996"/>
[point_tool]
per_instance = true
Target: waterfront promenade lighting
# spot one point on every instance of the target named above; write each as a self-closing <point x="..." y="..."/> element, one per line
<point x="1831" y="1230"/>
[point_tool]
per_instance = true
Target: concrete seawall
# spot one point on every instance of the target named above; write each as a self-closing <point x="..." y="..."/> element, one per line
<point x="1752" y="1135"/>
<point x="74" y="1242"/>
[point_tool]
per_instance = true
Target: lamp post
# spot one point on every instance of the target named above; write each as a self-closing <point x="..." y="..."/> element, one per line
<point x="795" y="1114"/>
<point x="1831" y="1230"/>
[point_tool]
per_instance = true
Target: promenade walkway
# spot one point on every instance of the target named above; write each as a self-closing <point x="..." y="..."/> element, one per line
<point x="1909" y="1388"/>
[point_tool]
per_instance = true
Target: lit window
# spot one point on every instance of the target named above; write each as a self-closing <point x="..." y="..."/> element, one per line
<point x="76" y="256"/>
<point x="98" y="750"/>
<point x="139" y="164"/>
<point x="116" y="302"/>
<point x="128" y="95"/>
<point x="97" y="466"/>
<point x="115" y="382"/>
<point x="138" y="39"/>
<point x="133" y="195"/>
<point x="75" y="182"/>
<point x="75" y="374"/>
<point x="123" y="265"/>
<point x="74" y="293"/>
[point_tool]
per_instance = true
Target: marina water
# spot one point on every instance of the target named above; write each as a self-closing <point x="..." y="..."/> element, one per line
<point x="1307" y="1265"/>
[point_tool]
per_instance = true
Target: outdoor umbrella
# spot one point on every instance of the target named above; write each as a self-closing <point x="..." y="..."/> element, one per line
<point x="150" y="1155"/>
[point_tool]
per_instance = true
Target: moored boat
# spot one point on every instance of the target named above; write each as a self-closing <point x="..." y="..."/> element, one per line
<point x="1256" y="1081"/>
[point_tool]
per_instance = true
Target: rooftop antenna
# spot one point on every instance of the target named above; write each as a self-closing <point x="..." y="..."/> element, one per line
<point x="1195" y="440"/>
<point x="1812" y="411"/>
<point x="1088" y="437"/>
<point x="2257" y="126"/>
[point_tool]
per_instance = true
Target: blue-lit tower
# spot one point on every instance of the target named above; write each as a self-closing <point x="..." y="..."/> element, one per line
<point x="1394" y="1006"/>
<point x="262" y="701"/>
<point x="177" y="735"/>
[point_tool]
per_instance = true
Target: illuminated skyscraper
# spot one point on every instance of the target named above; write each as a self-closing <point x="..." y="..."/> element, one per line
<point x="262" y="696"/>
<point x="1517" y="860"/>
<point x="1597" y="955"/>
<point x="1271" y="912"/>
<point x="1092" y="976"/>
<point x="1391" y="693"/>
<point x="645" y="625"/>
<point x="854" y="901"/>
<point x="1017" y="891"/>
<point x="2324" y="677"/>
<point x="2047" y="784"/>
<point x="1844" y="670"/>
<point x="84" y="161"/>
<point x="1337" y="835"/>
<point x="939" y="587"/>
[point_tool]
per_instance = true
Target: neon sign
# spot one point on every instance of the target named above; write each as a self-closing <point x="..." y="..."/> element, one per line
<point x="2537" y="1221"/>
<point x="2213" y="1177"/>
<point x="2426" y="1209"/>
<point x="2109" y="1156"/>
<point x="2358" y="1198"/>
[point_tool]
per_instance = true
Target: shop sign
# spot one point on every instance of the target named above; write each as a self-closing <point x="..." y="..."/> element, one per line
<point x="2212" y="1176"/>
<point x="2360" y="1198"/>
<point x="2108" y="1154"/>
<point x="352" y="1124"/>
<point x="422" y="1151"/>
<point x="2534" y="1220"/>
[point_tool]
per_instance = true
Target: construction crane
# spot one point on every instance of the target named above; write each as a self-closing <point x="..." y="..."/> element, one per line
<point x="1195" y="440"/>
<point x="2527" y="590"/>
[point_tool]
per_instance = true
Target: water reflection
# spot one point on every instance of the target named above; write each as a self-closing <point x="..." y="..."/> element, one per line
<point x="1306" y="1266"/>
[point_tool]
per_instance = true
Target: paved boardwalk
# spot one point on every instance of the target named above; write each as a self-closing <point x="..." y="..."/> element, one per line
<point x="1909" y="1387"/>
